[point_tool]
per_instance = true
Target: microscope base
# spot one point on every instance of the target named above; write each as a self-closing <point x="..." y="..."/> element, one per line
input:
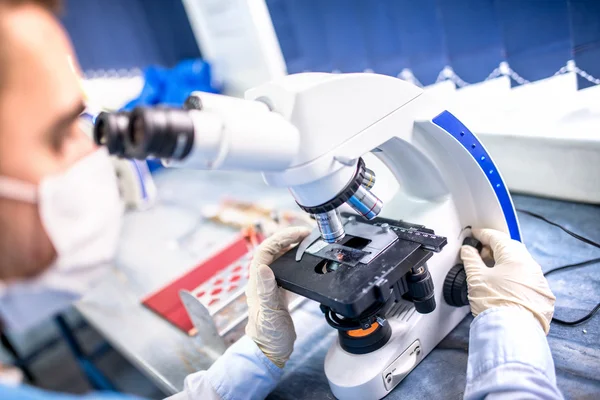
<point x="373" y="375"/>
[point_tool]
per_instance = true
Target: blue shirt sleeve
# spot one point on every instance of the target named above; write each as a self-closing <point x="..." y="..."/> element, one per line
<point x="242" y="372"/>
<point x="509" y="357"/>
<point x="25" y="392"/>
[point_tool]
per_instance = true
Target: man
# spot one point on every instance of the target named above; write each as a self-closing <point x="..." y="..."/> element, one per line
<point x="60" y="217"/>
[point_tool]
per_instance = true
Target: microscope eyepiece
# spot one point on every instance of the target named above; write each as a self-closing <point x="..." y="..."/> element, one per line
<point x="110" y="130"/>
<point x="159" y="132"/>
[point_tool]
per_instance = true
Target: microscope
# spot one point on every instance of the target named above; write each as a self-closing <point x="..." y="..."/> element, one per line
<point x="393" y="181"/>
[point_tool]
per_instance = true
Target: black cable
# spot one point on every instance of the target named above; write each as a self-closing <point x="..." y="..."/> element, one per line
<point x="593" y="312"/>
<point x="589" y="315"/>
<point x="581" y="320"/>
<point x="575" y="235"/>
<point x="580" y="264"/>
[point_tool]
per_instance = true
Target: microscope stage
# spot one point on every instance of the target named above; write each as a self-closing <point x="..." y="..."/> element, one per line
<point x="333" y="276"/>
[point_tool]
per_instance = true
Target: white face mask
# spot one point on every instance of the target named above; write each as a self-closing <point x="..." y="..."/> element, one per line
<point x="81" y="212"/>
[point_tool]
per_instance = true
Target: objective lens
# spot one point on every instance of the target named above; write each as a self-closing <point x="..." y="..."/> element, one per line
<point x="330" y="225"/>
<point x="365" y="203"/>
<point x="110" y="130"/>
<point x="369" y="179"/>
<point x="159" y="132"/>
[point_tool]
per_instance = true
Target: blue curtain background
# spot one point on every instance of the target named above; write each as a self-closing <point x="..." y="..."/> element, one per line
<point x="116" y="34"/>
<point x="585" y="27"/>
<point x="536" y="37"/>
<point x="474" y="48"/>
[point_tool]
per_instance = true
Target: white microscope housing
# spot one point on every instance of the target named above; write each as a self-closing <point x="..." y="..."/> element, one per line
<point x="313" y="133"/>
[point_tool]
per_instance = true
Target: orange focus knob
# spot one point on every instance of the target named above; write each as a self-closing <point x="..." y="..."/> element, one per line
<point x="363" y="332"/>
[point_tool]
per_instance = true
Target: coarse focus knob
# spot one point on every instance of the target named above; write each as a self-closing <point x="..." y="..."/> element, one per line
<point x="471" y="241"/>
<point x="455" y="287"/>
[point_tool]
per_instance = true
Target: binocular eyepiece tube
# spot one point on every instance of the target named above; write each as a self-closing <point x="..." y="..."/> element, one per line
<point x="166" y="133"/>
<point x="209" y="132"/>
<point x="156" y="132"/>
<point x="110" y="130"/>
<point x="219" y="132"/>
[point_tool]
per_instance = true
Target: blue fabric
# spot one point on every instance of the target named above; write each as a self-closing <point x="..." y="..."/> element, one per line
<point x="418" y="26"/>
<point x="288" y="38"/>
<point x="25" y="392"/>
<point x="172" y="87"/>
<point x="585" y="27"/>
<point x="472" y="37"/>
<point x="509" y="358"/>
<point x="243" y="372"/>
<point x="537" y="38"/>
<point x="349" y="53"/>
<point x="114" y="34"/>
<point x="351" y="36"/>
<point x="376" y="23"/>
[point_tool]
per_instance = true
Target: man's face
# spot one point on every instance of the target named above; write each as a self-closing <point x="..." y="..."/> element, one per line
<point x="40" y="100"/>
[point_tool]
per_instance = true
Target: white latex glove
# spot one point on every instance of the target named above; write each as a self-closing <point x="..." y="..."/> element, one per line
<point x="516" y="280"/>
<point x="269" y="322"/>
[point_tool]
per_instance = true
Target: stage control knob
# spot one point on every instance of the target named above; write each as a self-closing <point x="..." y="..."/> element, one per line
<point x="420" y="289"/>
<point x="455" y="284"/>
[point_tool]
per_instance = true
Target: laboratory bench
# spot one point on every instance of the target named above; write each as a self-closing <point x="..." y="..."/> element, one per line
<point x="162" y="243"/>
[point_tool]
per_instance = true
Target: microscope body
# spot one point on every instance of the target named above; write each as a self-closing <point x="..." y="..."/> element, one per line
<point x="445" y="181"/>
<point x="326" y="137"/>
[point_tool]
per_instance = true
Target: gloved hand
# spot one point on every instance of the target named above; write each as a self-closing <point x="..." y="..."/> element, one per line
<point x="516" y="280"/>
<point x="269" y="322"/>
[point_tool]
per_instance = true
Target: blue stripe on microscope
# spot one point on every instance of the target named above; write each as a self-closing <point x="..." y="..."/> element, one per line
<point x="141" y="178"/>
<point x="454" y="127"/>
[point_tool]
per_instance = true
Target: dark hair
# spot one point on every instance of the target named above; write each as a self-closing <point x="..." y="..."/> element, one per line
<point x="54" y="6"/>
